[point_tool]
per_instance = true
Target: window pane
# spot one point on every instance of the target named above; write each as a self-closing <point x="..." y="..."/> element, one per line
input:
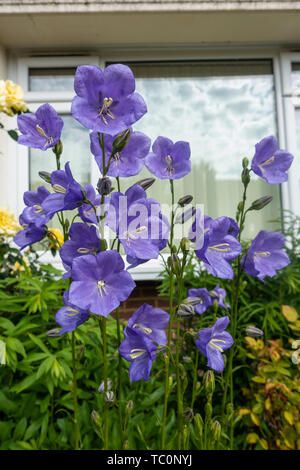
<point x="76" y="145"/>
<point x="295" y="76"/>
<point x="59" y="79"/>
<point x="296" y="163"/>
<point x="222" y="108"/>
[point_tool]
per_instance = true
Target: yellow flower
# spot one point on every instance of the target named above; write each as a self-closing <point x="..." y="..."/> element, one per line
<point x="56" y="237"/>
<point x="11" y="98"/>
<point x="8" y="224"/>
<point x="20" y="267"/>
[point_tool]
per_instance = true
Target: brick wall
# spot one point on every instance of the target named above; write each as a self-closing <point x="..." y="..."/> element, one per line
<point x="145" y="292"/>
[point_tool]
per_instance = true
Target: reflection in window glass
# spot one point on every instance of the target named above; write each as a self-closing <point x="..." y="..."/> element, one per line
<point x="222" y="109"/>
<point x="59" y="79"/>
<point x="296" y="76"/>
<point x="296" y="163"/>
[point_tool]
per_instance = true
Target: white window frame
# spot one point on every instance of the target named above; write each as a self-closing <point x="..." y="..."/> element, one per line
<point x="291" y="101"/>
<point x="61" y="100"/>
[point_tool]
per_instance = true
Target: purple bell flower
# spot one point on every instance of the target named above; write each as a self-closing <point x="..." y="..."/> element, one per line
<point x="106" y="101"/>
<point x="83" y="240"/>
<point x="40" y="130"/>
<point x="151" y="321"/>
<point x="70" y="317"/>
<point x="127" y="162"/>
<point x="100" y="282"/>
<point x="67" y="192"/>
<point x="219" y="247"/>
<point x="213" y="342"/>
<point x="204" y="299"/>
<point x="266" y="255"/>
<point x="168" y="160"/>
<point x="34" y="212"/>
<point x="271" y="163"/>
<point x="142" y="235"/>
<point x="219" y="295"/>
<point x="141" y="351"/>
<point x="29" y="235"/>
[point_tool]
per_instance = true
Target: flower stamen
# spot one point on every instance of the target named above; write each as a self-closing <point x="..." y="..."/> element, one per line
<point x="59" y="189"/>
<point x="102" y="288"/>
<point x="213" y="341"/>
<point x="104" y="111"/>
<point x="43" y="133"/>
<point x="135" y="353"/>
<point x="218" y="247"/>
<point x="146" y="330"/>
<point x="134" y="234"/>
<point x="266" y="163"/>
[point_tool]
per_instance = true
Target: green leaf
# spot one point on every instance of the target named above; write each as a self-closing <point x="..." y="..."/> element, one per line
<point x="16" y="345"/>
<point x="20" y="429"/>
<point x="45" y="366"/>
<point x="26" y="383"/>
<point x="39" y="343"/>
<point x="13" y="134"/>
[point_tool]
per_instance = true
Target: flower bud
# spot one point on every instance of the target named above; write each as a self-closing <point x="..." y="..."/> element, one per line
<point x="104" y="186"/>
<point x="254" y="332"/>
<point x="129" y="406"/>
<point x="188" y="415"/>
<point x="185" y="200"/>
<point x="170" y="381"/>
<point x="260" y="203"/>
<point x="209" y="381"/>
<point x="53" y="333"/>
<point x="45" y="175"/>
<point x="121" y="141"/>
<point x="199" y="424"/>
<point x="103" y="244"/>
<point x="216" y="430"/>
<point x="245" y="163"/>
<point x="96" y="417"/>
<point x="101" y="387"/>
<point x="187" y="359"/>
<point x="185" y="310"/>
<point x="192" y="301"/>
<point x="240" y="206"/>
<point x="185" y="216"/>
<point x="185" y="245"/>
<point x="175" y="263"/>
<point x="245" y="177"/>
<point x="146" y="183"/>
<point x="58" y="148"/>
<point x="109" y="397"/>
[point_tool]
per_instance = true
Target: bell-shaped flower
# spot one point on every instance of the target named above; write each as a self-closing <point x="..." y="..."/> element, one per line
<point x="40" y="130"/>
<point x="212" y="342"/>
<point x="168" y="160"/>
<point x="68" y="194"/>
<point x="151" y="321"/>
<point x="83" y="240"/>
<point x="127" y="162"/>
<point x="34" y="212"/>
<point x="142" y="235"/>
<point x="271" y="163"/>
<point x="100" y="282"/>
<point x="106" y="101"/>
<point x="265" y="255"/>
<point x="70" y="317"/>
<point x="218" y="294"/>
<point x="141" y="351"/>
<point x="30" y="234"/>
<point x="203" y="297"/>
<point x="219" y="248"/>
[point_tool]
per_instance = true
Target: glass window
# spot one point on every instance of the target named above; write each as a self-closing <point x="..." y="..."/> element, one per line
<point x="222" y="108"/>
<point x="57" y="79"/>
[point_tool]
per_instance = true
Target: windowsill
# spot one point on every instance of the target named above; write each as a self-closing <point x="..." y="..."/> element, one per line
<point x="149" y="271"/>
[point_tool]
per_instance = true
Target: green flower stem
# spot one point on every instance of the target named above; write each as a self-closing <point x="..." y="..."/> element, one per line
<point x="195" y="376"/>
<point x="74" y="369"/>
<point x="167" y="358"/>
<point x="234" y="320"/>
<point x="74" y="393"/>
<point x="102" y="323"/>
